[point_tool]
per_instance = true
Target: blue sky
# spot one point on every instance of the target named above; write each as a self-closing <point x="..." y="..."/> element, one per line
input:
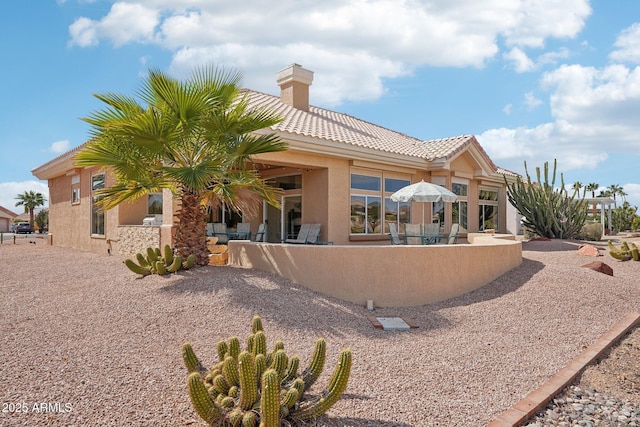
<point x="533" y="80"/>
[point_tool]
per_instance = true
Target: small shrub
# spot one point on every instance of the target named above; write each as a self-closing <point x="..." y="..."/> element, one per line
<point x="591" y="231"/>
<point x="159" y="262"/>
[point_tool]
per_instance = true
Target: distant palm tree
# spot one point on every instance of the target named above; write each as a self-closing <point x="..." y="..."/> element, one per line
<point x="194" y="137"/>
<point x="30" y="200"/>
<point x="592" y="187"/>
<point x="576" y="187"/>
<point x="614" y="190"/>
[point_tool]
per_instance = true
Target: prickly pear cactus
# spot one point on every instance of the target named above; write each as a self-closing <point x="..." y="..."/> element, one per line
<point x="257" y="387"/>
<point x="153" y="262"/>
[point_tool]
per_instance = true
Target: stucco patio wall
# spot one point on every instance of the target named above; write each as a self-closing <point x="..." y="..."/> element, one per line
<point x="399" y="276"/>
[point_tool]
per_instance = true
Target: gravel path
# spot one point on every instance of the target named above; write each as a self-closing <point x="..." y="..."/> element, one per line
<point x="98" y="346"/>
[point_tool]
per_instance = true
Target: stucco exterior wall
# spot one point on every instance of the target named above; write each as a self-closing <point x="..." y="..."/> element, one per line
<point x="70" y="224"/>
<point x="389" y="275"/>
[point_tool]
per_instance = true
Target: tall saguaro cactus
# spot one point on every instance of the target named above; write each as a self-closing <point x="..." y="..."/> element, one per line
<point x="548" y="211"/>
<point x="255" y="387"/>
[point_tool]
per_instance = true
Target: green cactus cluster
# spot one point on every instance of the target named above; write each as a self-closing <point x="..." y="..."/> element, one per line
<point x="256" y="387"/>
<point x="625" y="252"/>
<point x="155" y="261"/>
<point x="548" y="211"/>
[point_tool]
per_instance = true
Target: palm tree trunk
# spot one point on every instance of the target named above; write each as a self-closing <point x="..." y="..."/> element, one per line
<point x="190" y="235"/>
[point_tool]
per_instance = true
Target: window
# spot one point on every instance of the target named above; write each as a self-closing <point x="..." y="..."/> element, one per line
<point x="75" y="189"/>
<point x="460" y="207"/>
<point x="154" y="204"/>
<point x="367" y="198"/>
<point x="488" y="212"/>
<point x="97" y="213"/>
<point x="75" y="196"/>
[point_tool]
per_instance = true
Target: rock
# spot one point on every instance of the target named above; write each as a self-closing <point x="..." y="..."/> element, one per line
<point x="589" y="250"/>
<point x="600" y="267"/>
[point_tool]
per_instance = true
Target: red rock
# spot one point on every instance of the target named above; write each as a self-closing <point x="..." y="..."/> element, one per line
<point x="588" y="250"/>
<point x="600" y="267"/>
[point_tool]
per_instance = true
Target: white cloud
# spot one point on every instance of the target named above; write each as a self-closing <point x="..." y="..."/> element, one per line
<point x="60" y="146"/>
<point x="628" y="45"/>
<point x="507" y="109"/>
<point x="10" y="190"/>
<point x="521" y="62"/>
<point x="353" y="45"/>
<point x="125" y="23"/>
<point x="530" y="101"/>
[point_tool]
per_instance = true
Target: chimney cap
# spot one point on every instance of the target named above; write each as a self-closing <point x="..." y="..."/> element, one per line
<point x="294" y="73"/>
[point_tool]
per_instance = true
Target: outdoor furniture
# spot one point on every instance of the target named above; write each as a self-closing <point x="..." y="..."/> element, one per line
<point x="210" y="229"/>
<point x="262" y="230"/>
<point x="243" y="232"/>
<point x="308" y="234"/>
<point x="220" y="231"/>
<point x="452" y="238"/>
<point x="431" y="235"/>
<point x="393" y="234"/>
<point x="412" y="234"/>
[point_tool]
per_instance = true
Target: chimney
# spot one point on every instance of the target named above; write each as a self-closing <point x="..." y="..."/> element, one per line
<point x="294" y="82"/>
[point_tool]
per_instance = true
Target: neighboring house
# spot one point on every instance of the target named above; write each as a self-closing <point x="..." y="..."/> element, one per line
<point x="6" y="220"/>
<point x="338" y="171"/>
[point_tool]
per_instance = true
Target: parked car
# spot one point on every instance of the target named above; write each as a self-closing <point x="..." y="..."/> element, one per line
<point x="23" y="227"/>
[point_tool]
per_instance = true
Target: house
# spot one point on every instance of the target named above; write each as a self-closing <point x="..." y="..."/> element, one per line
<point x="338" y="171"/>
<point x="7" y="218"/>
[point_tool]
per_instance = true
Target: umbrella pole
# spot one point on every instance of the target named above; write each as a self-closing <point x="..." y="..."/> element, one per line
<point x="422" y="229"/>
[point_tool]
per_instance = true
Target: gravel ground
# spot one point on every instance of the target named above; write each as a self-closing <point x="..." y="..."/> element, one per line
<point x="86" y="342"/>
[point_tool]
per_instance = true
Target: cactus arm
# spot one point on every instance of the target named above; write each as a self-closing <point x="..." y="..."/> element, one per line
<point x="189" y="262"/>
<point x="142" y="260"/>
<point x="292" y="369"/>
<point x="175" y="265"/>
<point x="168" y="255"/>
<point x="230" y="371"/>
<point x="338" y="384"/>
<point x="222" y="350"/>
<point x="280" y="362"/>
<point x="269" y="399"/>
<point x="234" y="347"/>
<point x="138" y="269"/>
<point x="161" y="269"/>
<point x="191" y="362"/>
<point x="311" y="374"/>
<point x="248" y="380"/>
<point x="261" y="365"/>
<point x="256" y="324"/>
<point x="202" y="403"/>
<point x="259" y="343"/>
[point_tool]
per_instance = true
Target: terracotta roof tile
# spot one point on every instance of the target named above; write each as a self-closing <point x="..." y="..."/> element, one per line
<point x="346" y="129"/>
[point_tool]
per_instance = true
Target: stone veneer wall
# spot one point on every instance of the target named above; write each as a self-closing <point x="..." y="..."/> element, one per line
<point x="137" y="238"/>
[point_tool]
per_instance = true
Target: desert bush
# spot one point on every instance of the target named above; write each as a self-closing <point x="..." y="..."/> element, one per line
<point x="591" y="231"/>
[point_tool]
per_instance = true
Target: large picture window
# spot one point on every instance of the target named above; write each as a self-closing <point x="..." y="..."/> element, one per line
<point x="488" y="212"/>
<point x="97" y="213"/>
<point x="368" y="193"/>
<point x="154" y="204"/>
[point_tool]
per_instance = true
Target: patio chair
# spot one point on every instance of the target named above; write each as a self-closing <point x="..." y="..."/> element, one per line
<point x="302" y="236"/>
<point x="220" y="231"/>
<point x="262" y="230"/>
<point x="452" y="238"/>
<point x="243" y="231"/>
<point x="412" y="234"/>
<point x="432" y="234"/>
<point x="314" y="234"/>
<point x="393" y="234"/>
<point x="209" y="229"/>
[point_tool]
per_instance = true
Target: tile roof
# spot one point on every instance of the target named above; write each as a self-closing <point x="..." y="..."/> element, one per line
<point x="343" y="128"/>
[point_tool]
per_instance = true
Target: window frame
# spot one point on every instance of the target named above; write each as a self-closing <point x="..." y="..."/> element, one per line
<point x="488" y="202"/>
<point x="97" y="223"/>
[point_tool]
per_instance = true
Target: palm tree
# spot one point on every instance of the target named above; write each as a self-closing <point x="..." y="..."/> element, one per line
<point x="30" y="200"/>
<point x="592" y="187"/>
<point x="576" y="187"/>
<point x="195" y="137"/>
<point x="614" y="190"/>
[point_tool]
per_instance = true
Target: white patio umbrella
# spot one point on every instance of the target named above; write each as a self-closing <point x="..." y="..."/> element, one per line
<point x="423" y="192"/>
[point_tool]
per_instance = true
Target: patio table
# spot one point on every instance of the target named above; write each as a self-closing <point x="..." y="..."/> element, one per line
<point x="426" y="239"/>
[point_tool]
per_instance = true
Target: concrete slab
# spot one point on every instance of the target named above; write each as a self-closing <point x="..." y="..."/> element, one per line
<point x="393" y="324"/>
